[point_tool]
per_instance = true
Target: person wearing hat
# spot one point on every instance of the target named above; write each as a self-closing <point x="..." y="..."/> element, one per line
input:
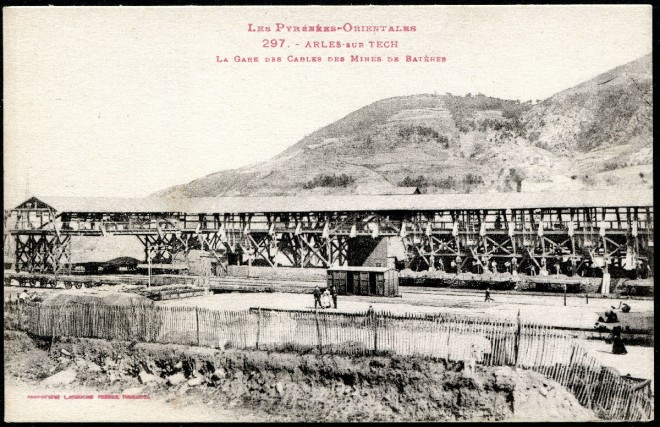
<point x="317" y="298"/>
<point x="333" y="294"/>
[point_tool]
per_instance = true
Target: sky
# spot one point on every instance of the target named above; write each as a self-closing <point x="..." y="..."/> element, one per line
<point x="126" y="101"/>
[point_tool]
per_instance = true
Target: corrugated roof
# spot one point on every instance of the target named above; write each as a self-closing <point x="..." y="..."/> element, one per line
<point x="574" y="199"/>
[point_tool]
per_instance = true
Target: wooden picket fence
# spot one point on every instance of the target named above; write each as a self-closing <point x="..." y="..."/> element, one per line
<point x="452" y="337"/>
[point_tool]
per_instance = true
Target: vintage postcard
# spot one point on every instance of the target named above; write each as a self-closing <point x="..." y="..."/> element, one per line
<point x="373" y="213"/>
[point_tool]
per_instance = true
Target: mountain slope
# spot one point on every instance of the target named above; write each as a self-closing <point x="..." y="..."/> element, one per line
<point x="596" y="134"/>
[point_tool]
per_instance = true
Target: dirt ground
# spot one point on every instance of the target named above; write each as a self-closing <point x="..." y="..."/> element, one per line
<point x="546" y="309"/>
<point x="199" y="384"/>
<point x="75" y="410"/>
<point x="543" y="309"/>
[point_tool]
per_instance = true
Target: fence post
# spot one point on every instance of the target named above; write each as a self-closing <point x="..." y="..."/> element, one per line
<point x="20" y="317"/>
<point x="570" y="362"/>
<point x="197" y="320"/>
<point x="516" y="345"/>
<point x="258" y="327"/>
<point x="629" y="406"/>
<point x="38" y="325"/>
<point x="318" y="330"/>
<point x="52" y="335"/>
<point x="374" y="320"/>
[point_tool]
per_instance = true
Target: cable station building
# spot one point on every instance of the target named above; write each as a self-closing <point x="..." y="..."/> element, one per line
<point x="556" y="231"/>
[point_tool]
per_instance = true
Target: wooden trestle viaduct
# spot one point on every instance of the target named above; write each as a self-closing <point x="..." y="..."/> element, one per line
<point x="526" y="232"/>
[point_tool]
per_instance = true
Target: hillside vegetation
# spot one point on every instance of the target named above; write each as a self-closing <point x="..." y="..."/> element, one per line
<point x="595" y="135"/>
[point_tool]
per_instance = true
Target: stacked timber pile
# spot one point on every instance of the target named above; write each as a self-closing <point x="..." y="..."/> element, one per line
<point x="159" y="293"/>
<point x="555" y="283"/>
<point x="277" y="274"/>
<point x="239" y="284"/>
<point x="497" y="281"/>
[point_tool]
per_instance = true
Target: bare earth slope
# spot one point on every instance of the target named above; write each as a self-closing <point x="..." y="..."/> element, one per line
<point x="201" y="384"/>
<point x="597" y="134"/>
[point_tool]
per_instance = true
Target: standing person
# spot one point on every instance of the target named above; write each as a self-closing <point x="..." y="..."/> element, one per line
<point x="532" y="270"/>
<point x="617" y="342"/>
<point x="333" y="293"/>
<point x="325" y="299"/>
<point x="514" y="266"/>
<point x="488" y="298"/>
<point x="23" y="296"/>
<point x="317" y="297"/>
<point x="370" y="317"/>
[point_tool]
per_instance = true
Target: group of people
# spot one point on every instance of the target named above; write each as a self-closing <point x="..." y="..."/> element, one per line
<point x="325" y="299"/>
<point x="26" y="296"/>
<point x="611" y="317"/>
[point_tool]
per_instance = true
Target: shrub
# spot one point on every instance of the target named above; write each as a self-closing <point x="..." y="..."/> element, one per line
<point x="613" y="165"/>
<point x="534" y="136"/>
<point x="333" y="180"/>
<point x="424" y="133"/>
<point x="471" y="179"/>
<point x="420" y="181"/>
<point x="514" y="180"/>
<point x="447" y="183"/>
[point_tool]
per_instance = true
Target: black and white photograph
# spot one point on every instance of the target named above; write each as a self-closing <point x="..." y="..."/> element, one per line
<point x="328" y="213"/>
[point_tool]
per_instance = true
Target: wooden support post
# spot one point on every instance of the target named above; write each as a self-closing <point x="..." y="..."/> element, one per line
<point x="573" y="257"/>
<point x="565" y="288"/>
